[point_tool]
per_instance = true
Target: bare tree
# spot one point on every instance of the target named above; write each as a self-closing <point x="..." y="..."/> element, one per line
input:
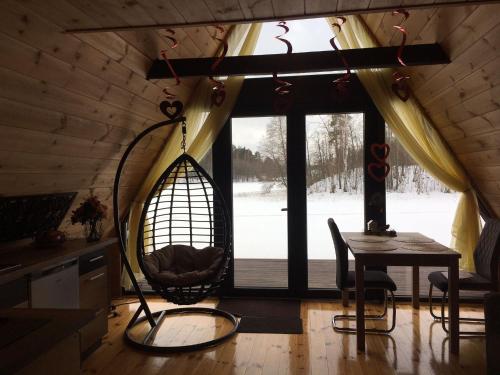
<point x="273" y="146"/>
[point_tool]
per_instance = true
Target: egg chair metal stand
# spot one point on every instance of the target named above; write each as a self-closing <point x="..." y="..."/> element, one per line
<point x="184" y="206"/>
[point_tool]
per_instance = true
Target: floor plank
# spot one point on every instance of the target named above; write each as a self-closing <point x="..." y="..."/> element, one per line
<point x="417" y="346"/>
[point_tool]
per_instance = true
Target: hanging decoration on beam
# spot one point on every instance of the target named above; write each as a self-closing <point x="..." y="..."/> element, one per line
<point x="283" y="99"/>
<point x="169" y="108"/>
<point x="400" y="85"/>
<point x="342" y="82"/>
<point x="379" y="169"/>
<point x="163" y="53"/>
<point x="218" y="90"/>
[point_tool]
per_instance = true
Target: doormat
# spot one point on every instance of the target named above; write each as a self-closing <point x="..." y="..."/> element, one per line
<point x="265" y="316"/>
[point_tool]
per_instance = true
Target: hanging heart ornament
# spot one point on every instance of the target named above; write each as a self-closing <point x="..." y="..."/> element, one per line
<point x="384" y="147"/>
<point x="171" y="109"/>
<point x="378" y="171"/>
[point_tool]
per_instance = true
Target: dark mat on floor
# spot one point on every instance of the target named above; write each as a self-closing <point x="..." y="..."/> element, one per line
<point x="265" y="316"/>
<point x="258" y="324"/>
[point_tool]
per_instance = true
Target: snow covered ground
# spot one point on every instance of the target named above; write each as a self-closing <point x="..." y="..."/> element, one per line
<point x="260" y="226"/>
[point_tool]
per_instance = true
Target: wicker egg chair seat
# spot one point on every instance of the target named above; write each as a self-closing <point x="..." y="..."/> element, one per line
<point x="184" y="271"/>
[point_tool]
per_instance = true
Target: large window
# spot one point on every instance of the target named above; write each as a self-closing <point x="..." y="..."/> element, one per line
<point x="416" y="201"/>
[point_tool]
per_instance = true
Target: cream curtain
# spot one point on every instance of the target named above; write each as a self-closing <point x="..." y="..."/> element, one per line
<point x="419" y="138"/>
<point x="203" y="124"/>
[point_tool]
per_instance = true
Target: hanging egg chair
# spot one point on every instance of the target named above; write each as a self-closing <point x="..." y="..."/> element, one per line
<point x="184" y="249"/>
<point x="183" y="244"/>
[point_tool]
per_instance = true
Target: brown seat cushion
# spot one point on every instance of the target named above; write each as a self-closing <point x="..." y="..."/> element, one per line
<point x="182" y="265"/>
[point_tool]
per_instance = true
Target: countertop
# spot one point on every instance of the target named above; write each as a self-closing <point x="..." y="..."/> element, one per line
<point x="58" y="325"/>
<point x="33" y="259"/>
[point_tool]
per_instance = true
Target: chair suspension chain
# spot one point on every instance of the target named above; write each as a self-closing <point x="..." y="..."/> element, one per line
<point x="183" y="142"/>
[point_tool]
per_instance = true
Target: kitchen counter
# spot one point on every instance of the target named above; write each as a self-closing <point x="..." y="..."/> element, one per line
<point x="47" y="328"/>
<point x="33" y="259"/>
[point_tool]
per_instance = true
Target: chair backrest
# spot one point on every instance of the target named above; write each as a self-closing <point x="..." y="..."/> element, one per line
<point x="487" y="252"/>
<point x="341" y="254"/>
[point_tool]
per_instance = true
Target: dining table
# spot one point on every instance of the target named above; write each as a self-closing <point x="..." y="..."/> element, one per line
<point x="406" y="249"/>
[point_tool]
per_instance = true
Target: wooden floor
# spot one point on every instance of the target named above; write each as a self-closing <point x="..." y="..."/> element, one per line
<point x="415" y="347"/>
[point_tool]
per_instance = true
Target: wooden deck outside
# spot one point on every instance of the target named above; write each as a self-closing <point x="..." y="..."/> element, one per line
<point x="273" y="273"/>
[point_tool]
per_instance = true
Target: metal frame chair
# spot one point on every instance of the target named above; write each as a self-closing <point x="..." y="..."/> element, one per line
<point x="374" y="280"/>
<point x="486" y="261"/>
<point x="219" y="235"/>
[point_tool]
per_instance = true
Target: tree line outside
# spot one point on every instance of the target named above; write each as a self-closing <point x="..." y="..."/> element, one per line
<point x="334" y="158"/>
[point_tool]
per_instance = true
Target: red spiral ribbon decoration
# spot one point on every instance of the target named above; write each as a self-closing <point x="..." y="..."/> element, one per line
<point x="218" y="90"/>
<point x="341" y="83"/>
<point x="400" y="85"/>
<point x="163" y="53"/>
<point x="402" y="30"/>
<point x="283" y="86"/>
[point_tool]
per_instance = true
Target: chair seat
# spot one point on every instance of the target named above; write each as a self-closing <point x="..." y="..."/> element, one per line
<point x="182" y="265"/>
<point x="373" y="280"/>
<point x="467" y="281"/>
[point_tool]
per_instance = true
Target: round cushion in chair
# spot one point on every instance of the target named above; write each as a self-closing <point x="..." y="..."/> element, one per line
<point x="183" y="265"/>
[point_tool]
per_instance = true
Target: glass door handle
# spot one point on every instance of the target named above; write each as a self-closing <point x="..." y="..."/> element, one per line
<point x="284" y="209"/>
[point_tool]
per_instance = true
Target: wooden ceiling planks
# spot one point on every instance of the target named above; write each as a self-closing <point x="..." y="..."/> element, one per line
<point x="317" y="6"/>
<point x="177" y="13"/>
<point x="193" y="10"/>
<point x="71" y="103"/>
<point x="224" y="10"/>
<point x="257" y="9"/>
<point x="462" y="98"/>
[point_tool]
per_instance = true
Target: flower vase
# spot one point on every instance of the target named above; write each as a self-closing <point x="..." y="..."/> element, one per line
<point x="93" y="230"/>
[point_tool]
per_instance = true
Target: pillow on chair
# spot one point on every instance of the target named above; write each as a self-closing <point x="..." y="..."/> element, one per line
<point x="183" y="265"/>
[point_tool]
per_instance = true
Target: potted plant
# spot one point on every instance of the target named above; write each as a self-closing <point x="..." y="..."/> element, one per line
<point x="90" y="215"/>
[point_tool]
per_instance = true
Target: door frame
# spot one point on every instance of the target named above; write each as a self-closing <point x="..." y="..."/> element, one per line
<point x="315" y="94"/>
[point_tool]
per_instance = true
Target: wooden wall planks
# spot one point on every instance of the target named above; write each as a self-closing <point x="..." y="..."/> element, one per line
<point x="70" y="104"/>
<point x="462" y="98"/>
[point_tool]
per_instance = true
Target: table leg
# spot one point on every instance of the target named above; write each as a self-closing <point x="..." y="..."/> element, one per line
<point x="345" y="298"/>
<point x="360" y="305"/>
<point x="453" y="310"/>
<point x="416" y="288"/>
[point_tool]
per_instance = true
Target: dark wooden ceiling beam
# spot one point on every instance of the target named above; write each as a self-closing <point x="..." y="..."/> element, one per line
<point x="363" y="58"/>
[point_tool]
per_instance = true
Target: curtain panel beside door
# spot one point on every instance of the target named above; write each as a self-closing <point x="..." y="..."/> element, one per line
<point x="420" y="139"/>
<point x="203" y="125"/>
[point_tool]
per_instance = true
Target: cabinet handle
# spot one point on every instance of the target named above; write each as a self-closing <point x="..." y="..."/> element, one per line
<point x="96" y="258"/>
<point x="96" y="276"/>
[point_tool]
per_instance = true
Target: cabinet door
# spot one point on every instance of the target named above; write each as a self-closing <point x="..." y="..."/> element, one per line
<point x="93" y="295"/>
<point x="14" y="294"/>
<point x="64" y="358"/>
<point x="91" y="334"/>
<point x="56" y="290"/>
<point x="94" y="289"/>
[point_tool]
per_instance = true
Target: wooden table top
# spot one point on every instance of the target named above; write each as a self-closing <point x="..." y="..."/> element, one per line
<point x="406" y="244"/>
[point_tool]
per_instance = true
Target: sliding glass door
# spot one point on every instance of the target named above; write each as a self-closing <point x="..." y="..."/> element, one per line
<point x="259" y="185"/>
<point x="334" y="188"/>
<point x="288" y="174"/>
